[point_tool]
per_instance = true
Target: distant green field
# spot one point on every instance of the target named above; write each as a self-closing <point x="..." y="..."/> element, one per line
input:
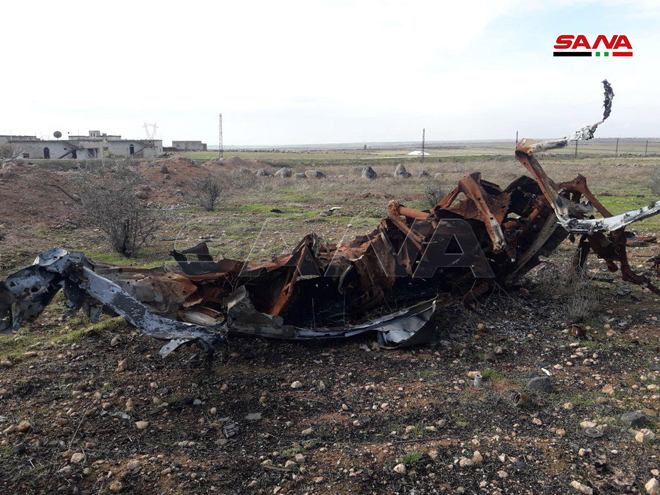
<point x="460" y="150"/>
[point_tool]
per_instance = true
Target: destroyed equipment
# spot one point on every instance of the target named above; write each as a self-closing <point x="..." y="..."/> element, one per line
<point x="390" y="281"/>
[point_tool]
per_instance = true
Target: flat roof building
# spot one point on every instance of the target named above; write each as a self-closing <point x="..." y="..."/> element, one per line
<point x="85" y="147"/>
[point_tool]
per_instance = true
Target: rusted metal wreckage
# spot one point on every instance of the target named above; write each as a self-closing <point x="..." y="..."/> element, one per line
<point x="390" y="281"/>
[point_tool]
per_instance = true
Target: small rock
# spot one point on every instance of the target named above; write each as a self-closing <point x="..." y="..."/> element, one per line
<point x="142" y="425"/>
<point x="141" y="195"/>
<point x="652" y="487"/>
<point x="9" y="430"/>
<point x="213" y="410"/>
<point x="19" y="449"/>
<point x="307" y="432"/>
<point x="644" y="435"/>
<point x="314" y="174"/>
<point x="581" y="488"/>
<point x="284" y="172"/>
<point x="369" y="173"/>
<point x="262" y="172"/>
<point x="116" y="487"/>
<point x="423" y="174"/>
<point x="560" y="432"/>
<point x="290" y="464"/>
<point x="477" y="458"/>
<point x="253" y="416"/>
<point x="133" y="465"/>
<point x="197" y="402"/>
<point x="502" y="474"/>
<point x="401" y="172"/>
<point x="252" y="484"/>
<point x="587" y="424"/>
<point x="634" y="419"/>
<point x="296" y="384"/>
<point x="608" y="389"/>
<point x="320" y="386"/>
<point x="465" y="462"/>
<point x="77" y="458"/>
<point x="542" y="383"/>
<point x="400" y="469"/>
<point x="537" y="421"/>
<point x="300" y="459"/>
<point x="441" y="423"/>
<point x="24" y="426"/>
<point x="115" y="341"/>
<point x="122" y="365"/>
<point x="164" y="170"/>
<point x="300" y="175"/>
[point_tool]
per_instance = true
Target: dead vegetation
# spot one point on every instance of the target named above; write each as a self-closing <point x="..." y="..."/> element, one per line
<point x="207" y="192"/>
<point x="9" y="153"/>
<point x="109" y="202"/>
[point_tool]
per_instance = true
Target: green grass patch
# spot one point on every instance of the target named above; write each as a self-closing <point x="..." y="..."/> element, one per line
<point x="489" y="374"/>
<point x="290" y="453"/>
<point x="410" y="459"/>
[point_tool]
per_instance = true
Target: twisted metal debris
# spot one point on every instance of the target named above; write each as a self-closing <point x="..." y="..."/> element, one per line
<point x="390" y="281"/>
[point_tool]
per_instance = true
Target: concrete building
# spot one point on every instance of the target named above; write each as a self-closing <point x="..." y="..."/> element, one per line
<point x="189" y="145"/>
<point x="84" y="147"/>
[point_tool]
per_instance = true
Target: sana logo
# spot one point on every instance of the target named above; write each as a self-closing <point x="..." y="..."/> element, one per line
<point x="569" y="45"/>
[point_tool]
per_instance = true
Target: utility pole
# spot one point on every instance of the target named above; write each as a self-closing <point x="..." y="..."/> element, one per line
<point x="221" y="150"/>
<point x="576" y="145"/>
<point x="646" y="150"/>
<point x="616" y="153"/>
<point x="516" y="139"/>
<point x="423" y="143"/>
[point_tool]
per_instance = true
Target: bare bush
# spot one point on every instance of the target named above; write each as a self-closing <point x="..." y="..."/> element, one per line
<point x="655" y="182"/>
<point x="109" y="203"/>
<point x="575" y="288"/>
<point x="9" y="153"/>
<point x="207" y="191"/>
<point x="434" y="193"/>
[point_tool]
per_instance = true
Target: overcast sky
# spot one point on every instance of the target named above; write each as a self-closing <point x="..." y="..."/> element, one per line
<point x="310" y="71"/>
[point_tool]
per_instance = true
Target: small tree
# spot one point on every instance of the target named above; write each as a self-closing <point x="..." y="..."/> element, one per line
<point x="434" y="194"/>
<point x="655" y="182"/>
<point x="109" y="203"/>
<point x="207" y="192"/>
<point x="9" y="153"/>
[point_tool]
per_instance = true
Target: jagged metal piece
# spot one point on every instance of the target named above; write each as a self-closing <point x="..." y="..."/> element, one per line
<point x="28" y="291"/>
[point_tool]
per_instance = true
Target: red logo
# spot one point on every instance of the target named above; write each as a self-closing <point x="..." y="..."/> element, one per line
<point x="570" y="45"/>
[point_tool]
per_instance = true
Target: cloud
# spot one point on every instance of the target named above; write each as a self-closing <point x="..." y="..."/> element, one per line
<point x="387" y="65"/>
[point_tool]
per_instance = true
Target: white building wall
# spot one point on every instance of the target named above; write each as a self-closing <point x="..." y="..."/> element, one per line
<point x="92" y="148"/>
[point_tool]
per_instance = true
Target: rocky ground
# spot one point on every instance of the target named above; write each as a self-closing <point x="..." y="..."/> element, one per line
<point x="94" y="409"/>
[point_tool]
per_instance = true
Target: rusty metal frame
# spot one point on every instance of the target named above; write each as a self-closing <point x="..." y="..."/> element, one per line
<point x="322" y="290"/>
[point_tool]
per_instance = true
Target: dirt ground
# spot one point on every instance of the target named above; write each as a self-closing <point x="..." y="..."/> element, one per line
<point x="93" y="409"/>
